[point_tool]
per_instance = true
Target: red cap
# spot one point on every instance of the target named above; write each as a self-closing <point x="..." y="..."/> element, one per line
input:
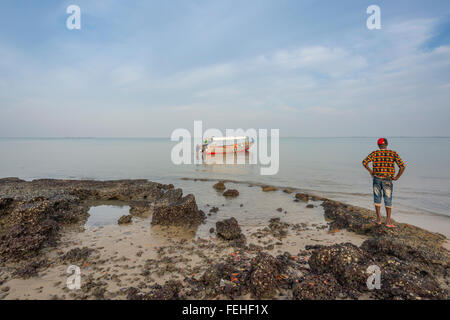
<point x="381" y="141"/>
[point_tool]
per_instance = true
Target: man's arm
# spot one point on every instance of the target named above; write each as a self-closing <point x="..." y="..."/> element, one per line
<point x="399" y="174"/>
<point x="366" y="162"/>
<point x="401" y="166"/>
<point x="368" y="169"/>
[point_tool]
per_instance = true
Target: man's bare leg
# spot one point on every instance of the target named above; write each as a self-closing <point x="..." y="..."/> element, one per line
<point x="388" y="216"/>
<point x="378" y="211"/>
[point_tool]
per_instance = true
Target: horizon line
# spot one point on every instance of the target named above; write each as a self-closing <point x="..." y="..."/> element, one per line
<point x="167" y="137"/>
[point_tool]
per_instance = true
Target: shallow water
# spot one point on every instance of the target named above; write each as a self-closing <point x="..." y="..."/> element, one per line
<point x="252" y="207"/>
<point x="257" y="208"/>
<point x="327" y="166"/>
<point x="261" y="206"/>
<point x="106" y="214"/>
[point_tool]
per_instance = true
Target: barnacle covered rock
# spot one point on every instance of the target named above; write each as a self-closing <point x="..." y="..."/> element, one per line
<point x="183" y="212"/>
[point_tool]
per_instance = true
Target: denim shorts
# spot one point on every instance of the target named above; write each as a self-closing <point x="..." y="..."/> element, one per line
<point x="382" y="188"/>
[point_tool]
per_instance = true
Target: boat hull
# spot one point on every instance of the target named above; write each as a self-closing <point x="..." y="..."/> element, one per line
<point x="212" y="150"/>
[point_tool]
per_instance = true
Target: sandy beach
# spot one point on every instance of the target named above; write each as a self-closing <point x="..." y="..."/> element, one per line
<point x="274" y="243"/>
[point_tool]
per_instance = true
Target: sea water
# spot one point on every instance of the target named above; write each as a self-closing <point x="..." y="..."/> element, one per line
<point x="326" y="166"/>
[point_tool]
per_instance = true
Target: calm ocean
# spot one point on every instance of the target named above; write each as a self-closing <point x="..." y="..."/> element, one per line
<point x="327" y="166"/>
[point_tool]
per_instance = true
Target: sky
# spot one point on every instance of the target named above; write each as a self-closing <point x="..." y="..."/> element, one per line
<point x="145" y="68"/>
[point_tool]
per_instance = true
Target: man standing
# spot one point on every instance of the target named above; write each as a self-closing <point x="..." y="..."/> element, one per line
<point x="383" y="173"/>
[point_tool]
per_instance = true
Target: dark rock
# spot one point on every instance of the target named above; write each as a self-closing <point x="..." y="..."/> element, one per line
<point x="169" y="291"/>
<point x="347" y="217"/>
<point x="405" y="271"/>
<point x="125" y="219"/>
<point x="32" y="213"/>
<point x="240" y="274"/>
<point x="214" y="210"/>
<point x="212" y="276"/>
<point x="411" y="258"/>
<point x="134" y="294"/>
<point x="13" y="180"/>
<point x="5" y="205"/>
<point x="302" y="196"/>
<point x="316" y="198"/>
<point x="263" y="277"/>
<point x="77" y="255"/>
<point x="93" y="287"/>
<point x="31" y="225"/>
<point x="230" y="230"/>
<point x="317" y="287"/>
<point x="231" y="193"/>
<point x="31" y="269"/>
<point x="313" y="247"/>
<point x="410" y="269"/>
<point x="429" y="259"/>
<point x="219" y="186"/>
<point x="400" y="280"/>
<point x="346" y="262"/>
<point x="269" y="188"/>
<point x="278" y="228"/>
<point x="184" y="212"/>
<point x="142" y="208"/>
<point x="99" y="293"/>
<point x="310" y="206"/>
<point x="172" y="195"/>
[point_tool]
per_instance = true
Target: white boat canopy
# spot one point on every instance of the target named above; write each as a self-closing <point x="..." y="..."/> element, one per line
<point x="227" y="138"/>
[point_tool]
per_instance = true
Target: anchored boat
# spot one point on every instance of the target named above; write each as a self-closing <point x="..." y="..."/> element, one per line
<point x="221" y="145"/>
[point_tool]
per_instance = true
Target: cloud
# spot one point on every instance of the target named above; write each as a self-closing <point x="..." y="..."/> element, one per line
<point x="330" y="61"/>
<point x="126" y="75"/>
<point x="409" y="35"/>
<point x="329" y="111"/>
<point x="304" y="88"/>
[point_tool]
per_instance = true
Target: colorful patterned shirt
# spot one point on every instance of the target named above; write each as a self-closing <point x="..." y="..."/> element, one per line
<point x="383" y="162"/>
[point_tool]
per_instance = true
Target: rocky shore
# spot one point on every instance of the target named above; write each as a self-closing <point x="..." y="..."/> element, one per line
<point x="42" y="232"/>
